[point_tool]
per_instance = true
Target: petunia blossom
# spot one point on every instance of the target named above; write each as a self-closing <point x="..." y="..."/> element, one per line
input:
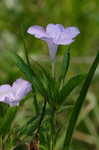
<point x="54" y="35"/>
<point x="12" y="95"/>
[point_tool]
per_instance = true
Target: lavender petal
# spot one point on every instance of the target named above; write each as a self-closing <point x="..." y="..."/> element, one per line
<point x="21" y="88"/>
<point x="53" y="31"/>
<point x="71" y="32"/>
<point x="37" y="31"/>
<point x="5" y="91"/>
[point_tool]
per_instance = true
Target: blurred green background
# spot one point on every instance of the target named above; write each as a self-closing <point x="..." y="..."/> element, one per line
<point x="17" y="15"/>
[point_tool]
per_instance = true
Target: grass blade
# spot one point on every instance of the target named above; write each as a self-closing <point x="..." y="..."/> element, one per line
<point x="79" y="103"/>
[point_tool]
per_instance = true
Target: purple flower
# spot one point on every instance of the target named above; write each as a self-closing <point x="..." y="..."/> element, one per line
<point x="12" y="95"/>
<point x="54" y="35"/>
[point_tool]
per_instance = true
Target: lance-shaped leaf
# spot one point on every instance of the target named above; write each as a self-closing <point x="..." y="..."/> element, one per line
<point x="70" y="86"/>
<point x="79" y="103"/>
<point x="29" y="73"/>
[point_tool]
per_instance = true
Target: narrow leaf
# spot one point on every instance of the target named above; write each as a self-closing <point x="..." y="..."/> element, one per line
<point x="70" y="86"/>
<point x="23" y="66"/>
<point x="30" y="74"/>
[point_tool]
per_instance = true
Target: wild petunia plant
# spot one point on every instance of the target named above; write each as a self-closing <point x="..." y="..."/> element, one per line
<point x="43" y="128"/>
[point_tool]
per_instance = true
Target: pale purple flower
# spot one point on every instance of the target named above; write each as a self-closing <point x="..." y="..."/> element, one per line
<point x="12" y="95"/>
<point x="54" y="35"/>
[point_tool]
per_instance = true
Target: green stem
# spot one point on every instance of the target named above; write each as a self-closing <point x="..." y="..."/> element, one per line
<point x="36" y="104"/>
<point x="35" y="101"/>
<point x="42" y="115"/>
<point x="26" y="54"/>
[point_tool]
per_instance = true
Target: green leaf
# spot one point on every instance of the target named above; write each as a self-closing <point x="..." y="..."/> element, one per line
<point x="7" y="121"/>
<point x="79" y="103"/>
<point x="70" y="86"/>
<point x="65" y="65"/>
<point x="23" y="66"/>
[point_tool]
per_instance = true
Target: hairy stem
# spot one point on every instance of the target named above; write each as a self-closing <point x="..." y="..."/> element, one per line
<point x="53" y="69"/>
